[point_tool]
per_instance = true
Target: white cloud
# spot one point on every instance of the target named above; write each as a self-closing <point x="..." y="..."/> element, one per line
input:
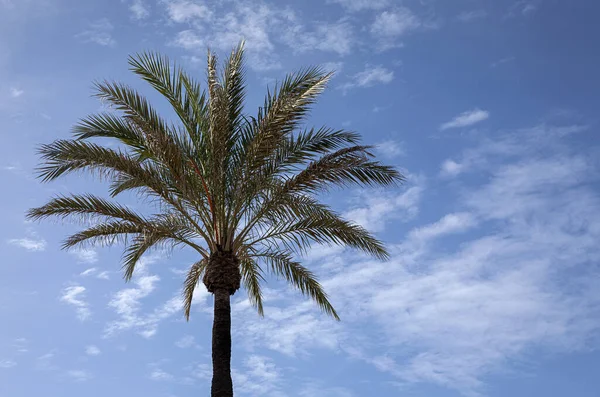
<point x="331" y="37"/>
<point x="376" y="210"/>
<point x="260" y="376"/>
<point x="29" y="244"/>
<point x="370" y="76"/>
<point x="45" y="362"/>
<point x="21" y="345"/>
<point x="502" y="61"/>
<point x="333" y="67"/>
<point x="92" y="350"/>
<point x="99" y="32"/>
<point x="466" y="119"/>
<point x="390" y="149"/>
<point x="85" y="255"/>
<point x="16" y="92"/>
<point x="391" y="24"/>
<point x="524" y="8"/>
<point x="5" y="364"/>
<point x="139" y="9"/>
<point x="74" y="296"/>
<point x="359" y="5"/>
<point x="467" y="16"/>
<point x="450" y="223"/>
<point x="160" y="375"/>
<point x="103" y="275"/>
<point x="186" y="342"/>
<point x="451" y="168"/>
<point x="127" y="304"/>
<point x="511" y="145"/>
<point x="468" y="311"/>
<point x="317" y="388"/>
<point x="79" y="375"/>
<point x="189" y="40"/>
<point x="245" y="21"/>
<point x="186" y="11"/>
<point x="88" y="272"/>
<point x="262" y="25"/>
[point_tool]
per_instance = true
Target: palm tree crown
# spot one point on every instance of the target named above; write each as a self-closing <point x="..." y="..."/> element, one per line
<point x="239" y="190"/>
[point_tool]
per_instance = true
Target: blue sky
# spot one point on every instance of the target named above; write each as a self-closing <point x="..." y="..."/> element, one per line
<point x="489" y="107"/>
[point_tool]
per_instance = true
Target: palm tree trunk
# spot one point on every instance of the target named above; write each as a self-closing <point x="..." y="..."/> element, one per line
<point x="222" y="385"/>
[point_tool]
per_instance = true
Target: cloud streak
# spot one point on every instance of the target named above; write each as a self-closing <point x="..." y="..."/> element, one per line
<point x="466" y="119"/>
<point x="74" y="296"/>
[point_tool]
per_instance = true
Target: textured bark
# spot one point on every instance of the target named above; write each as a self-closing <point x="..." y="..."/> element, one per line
<point x="222" y="385"/>
<point x="222" y="272"/>
<point x="222" y="278"/>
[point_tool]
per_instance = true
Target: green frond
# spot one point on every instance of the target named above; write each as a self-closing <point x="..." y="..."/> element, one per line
<point x="66" y="156"/>
<point x="108" y="125"/>
<point x="281" y="264"/>
<point x="105" y="234"/>
<point x="138" y="246"/>
<point x="344" y="167"/>
<point x="183" y="92"/>
<point x="191" y="282"/>
<point x="84" y="207"/>
<point x="281" y="114"/>
<point x="305" y="223"/>
<point x="252" y="278"/>
<point x="234" y="82"/>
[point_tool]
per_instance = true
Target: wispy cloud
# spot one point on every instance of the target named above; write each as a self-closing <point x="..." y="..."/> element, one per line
<point x="127" y="304"/>
<point x="186" y="342"/>
<point x="264" y="26"/>
<point x="466" y="119"/>
<point x="79" y="375"/>
<point x="98" y="32"/>
<point x="46" y="362"/>
<point x="244" y="21"/>
<point x="74" y="296"/>
<point x="451" y="168"/>
<point x="360" y="5"/>
<point x="391" y="25"/>
<point x="372" y="75"/>
<point x="5" y="364"/>
<point x="524" y="7"/>
<point x="259" y="376"/>
<point x="331" y="37"/>
<point x="92" y="350"/>
<point x="468" y="16"/>
<point x="512" y="144"/>
<point x="186" y="11"/>
<point x="30" y="244"/>
<point x="16" y="92"/>
<point x="85" y="255"/>
<point x="160" y="375"/>
<point x="139" y="9"/>
<point x="376" y="210"/>
<point x="502" y="61"/>
<point x="390" y="148"/>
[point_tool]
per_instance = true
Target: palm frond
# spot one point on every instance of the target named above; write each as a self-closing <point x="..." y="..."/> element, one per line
<point x="281" y="264"/>
<point x="342" y="168"/>
<point x="191" y="282"/>
<point x="252" y="278"/>
<point x="303" y="222"/>
<point x="84" y="207"/>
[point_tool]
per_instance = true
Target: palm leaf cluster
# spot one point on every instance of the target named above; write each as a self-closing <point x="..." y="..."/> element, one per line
<point x="220" y="179"/>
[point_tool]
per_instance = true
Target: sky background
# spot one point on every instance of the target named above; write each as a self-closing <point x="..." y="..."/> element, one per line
<point x="489" y="107"/>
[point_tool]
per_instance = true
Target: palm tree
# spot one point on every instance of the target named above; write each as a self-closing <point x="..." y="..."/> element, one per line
<point x="239" y="190"/>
